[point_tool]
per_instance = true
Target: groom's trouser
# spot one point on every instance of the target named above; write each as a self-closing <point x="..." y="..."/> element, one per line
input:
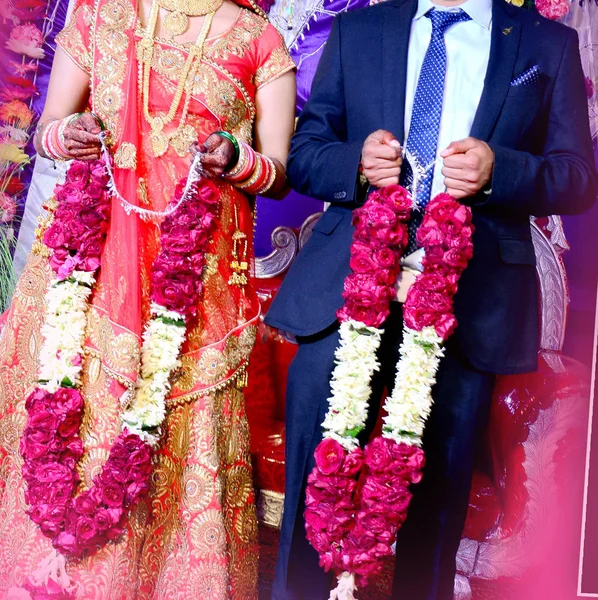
<point x="428" y="541"/>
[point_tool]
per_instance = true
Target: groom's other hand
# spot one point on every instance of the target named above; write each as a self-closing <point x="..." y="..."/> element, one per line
<point x="381" y="159"/>
<point x="468" y="166"/>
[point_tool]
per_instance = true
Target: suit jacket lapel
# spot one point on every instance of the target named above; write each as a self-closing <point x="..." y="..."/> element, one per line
<point x="504" y="47"/>
<point x="395" y="44"/>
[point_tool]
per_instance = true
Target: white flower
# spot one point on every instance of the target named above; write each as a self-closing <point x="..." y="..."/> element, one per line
<point x="355" y="365"/>
<point x="410" y="403"/>
<point x="64" y="330"/>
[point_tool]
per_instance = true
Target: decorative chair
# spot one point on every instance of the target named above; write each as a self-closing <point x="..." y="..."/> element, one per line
<point x="530" y="466"/>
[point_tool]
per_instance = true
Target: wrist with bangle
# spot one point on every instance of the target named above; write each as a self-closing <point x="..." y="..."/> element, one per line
<point x="52" y="139"/>
<point x="251" y="171"/>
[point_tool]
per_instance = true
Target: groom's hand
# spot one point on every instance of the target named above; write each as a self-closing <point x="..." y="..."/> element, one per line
<point x="381" y="159"/>
<point x="468" y="166"/>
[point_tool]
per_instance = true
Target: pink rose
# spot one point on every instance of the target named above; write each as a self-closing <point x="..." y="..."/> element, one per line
<point x="113" y="494"/>
<point x="27" y="40"/>
<point x="429" y="235"/>
<point x="174" y="291"/>
<point x="208" y="192"/>
<point x="86" y="530"/>
<point x="445" y="325"/>
<point x="43" y="419"/>
<point x="441" y="207"/>
<point x="85" y="504"/>
<point x="318" y="517"/>
<point x="397" y="198"/>
<point x="70" y="425"/>
<point x="99" y="172"/>
<point x="362" y="262"/>
<point x="136" y="490"/>
<point x="105" y="519"/>
<point x="53" y="472"/>
<point x="386" y="258"/>
<point x="378" y="455"/>
<point x="386" y="277"/>
<point x="38" y="513"/>
<point x="67" y="400"/>
<point x="67" y="543"/>
<point x="32" y="450"/>
<point x="69" y="195"/>
<point x="329" y="456"/>
<point x="553" y="9"/>
<point x="78" y="174"/>
<point x="353" y="463"/>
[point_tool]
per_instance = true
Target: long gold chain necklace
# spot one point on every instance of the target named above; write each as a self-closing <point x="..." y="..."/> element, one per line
<point x="182" y="138"/>
<point x="179" y="11"/>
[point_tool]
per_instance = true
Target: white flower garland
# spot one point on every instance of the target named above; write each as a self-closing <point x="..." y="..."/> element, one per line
<point x="64" y="331"/>
<point x="410" y="403"/>
<point x="356" y="363"/>
<point x="163" y="338"/>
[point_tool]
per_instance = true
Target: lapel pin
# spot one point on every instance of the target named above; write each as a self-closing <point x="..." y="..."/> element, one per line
<point x="507" y="30"/>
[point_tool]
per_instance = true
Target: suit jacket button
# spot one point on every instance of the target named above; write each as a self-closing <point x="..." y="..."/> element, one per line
<point x="342" y="194"/>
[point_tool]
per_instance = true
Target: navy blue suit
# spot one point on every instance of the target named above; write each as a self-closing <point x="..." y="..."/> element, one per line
<point x="543" y="165"/>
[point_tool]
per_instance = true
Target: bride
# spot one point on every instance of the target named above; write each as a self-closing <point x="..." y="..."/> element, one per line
<point x="173" y="82"/>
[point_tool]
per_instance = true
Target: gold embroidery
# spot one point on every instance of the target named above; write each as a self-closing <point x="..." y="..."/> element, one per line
<point x="199" y="487"/>
<point x="239" y="39"/>
<point x="126" y="156"/>
<point x="208" y="533"/>
<point x="121" y="352"/>
<point x="112" y="42"/>
<point x="212" y="366"/>
<point x="211" y="266"/>
<point x="142" y="192"/>
<point x="278" y="63"/>
<point x="71" y="40"/>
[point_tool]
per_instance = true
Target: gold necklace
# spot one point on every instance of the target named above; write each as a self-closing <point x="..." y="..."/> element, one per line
<point x="179" y="11"/>
<point x="184" y="135"/>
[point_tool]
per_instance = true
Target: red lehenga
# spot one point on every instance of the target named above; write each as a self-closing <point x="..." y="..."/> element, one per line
<point x="195" y="536"/>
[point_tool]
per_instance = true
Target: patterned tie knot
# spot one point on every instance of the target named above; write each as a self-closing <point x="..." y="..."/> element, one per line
<point x="443" y="19"/>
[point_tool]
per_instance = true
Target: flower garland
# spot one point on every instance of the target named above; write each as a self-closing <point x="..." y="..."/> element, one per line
<point x="51" y="445"/>
<point x="353" y="530"/>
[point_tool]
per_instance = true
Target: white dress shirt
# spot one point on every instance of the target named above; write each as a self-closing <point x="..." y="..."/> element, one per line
<point x="467" y="52"/>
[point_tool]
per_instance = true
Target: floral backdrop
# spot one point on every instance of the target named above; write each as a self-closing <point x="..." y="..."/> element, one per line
<point x="27" y="30"/>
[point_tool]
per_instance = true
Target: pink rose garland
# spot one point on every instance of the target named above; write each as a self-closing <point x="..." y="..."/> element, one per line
<point x="51" y="445"/>
<point x="353" y="529"/>
<point x="379" y="240"/>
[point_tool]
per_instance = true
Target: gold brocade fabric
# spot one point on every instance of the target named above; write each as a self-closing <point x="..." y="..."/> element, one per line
<point x="195" y="536"/>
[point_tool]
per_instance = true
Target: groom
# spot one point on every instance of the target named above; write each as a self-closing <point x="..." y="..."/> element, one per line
<point x="511" y="132"/>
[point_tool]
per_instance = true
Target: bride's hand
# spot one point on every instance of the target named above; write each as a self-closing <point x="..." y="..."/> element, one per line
<point x="81" y="137"/>
<point x="217" y="153"/>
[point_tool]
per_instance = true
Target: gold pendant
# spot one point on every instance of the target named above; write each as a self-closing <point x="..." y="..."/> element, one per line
<point x="158" y="137"/>
<point x="182" y="139"/>
<point x="176" y="23"/>
<point x="159" y="143"/>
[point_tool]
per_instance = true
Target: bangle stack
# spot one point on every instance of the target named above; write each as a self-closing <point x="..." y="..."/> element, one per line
<point x="254" y="173"/>
<point x="52" y="140"/>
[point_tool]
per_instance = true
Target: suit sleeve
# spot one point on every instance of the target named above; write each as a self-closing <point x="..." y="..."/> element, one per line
<point x="322" y="163"/>
<point x="563" y="180"/>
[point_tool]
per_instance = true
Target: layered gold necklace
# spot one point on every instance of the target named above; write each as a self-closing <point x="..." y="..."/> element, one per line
<point x="179" y="11"/>
<point x="184" y="135"/>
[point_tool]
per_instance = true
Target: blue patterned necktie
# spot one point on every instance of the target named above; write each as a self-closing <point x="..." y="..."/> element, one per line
<point x="422" y="140"/>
